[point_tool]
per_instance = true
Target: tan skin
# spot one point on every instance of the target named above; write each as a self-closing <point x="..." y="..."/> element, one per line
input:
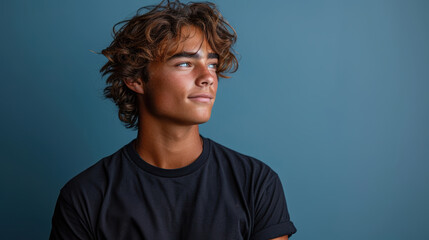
<point x="281" y="238"/>
<point x="179" y="95"/>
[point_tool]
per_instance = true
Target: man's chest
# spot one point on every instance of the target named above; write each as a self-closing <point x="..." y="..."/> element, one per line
<point x="211" y="208"/>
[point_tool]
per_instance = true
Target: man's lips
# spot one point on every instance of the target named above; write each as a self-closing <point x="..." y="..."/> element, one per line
<point x="201" y="97"/>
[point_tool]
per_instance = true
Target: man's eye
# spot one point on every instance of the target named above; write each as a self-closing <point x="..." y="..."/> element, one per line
<point x="213" y="65"/>
<point x="185" y="64"/>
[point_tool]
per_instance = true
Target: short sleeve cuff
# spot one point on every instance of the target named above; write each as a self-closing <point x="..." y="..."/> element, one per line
<point x="278" y="230"/>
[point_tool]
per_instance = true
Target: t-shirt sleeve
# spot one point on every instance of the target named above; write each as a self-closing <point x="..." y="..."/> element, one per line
<point x="271" y="215"/>
<point x="66" y="222"/>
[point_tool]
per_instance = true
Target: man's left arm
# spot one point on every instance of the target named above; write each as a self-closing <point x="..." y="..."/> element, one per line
<point x="281" y="238"/>
<point x="271" y="215"/>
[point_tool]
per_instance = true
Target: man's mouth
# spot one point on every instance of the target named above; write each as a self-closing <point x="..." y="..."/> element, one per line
<point x="201" y="97"/>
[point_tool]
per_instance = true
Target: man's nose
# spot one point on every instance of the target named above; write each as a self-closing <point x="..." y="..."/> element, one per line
<point x="205" y="77"/>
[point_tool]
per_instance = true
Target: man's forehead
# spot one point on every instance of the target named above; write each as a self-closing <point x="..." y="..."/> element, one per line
<point x="190" y="43"/>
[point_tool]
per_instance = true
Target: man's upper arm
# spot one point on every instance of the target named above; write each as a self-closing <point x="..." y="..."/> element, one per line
<point x="281" y="238"/>
<point x="66" y="222"/>
<point x="271" y="214"/>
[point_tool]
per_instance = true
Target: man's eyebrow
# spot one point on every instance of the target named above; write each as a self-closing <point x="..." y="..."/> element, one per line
<point x="192" y="55"/>
<point x="184" y="54"/>
<point x="213" y="55"/>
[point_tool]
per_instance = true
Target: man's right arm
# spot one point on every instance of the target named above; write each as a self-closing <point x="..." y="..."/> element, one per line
<point x="66" y="222"/>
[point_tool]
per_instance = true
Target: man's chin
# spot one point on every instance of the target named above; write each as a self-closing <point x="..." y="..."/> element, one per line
<point x="194" y="121"/>
<point x="200" y="120"/>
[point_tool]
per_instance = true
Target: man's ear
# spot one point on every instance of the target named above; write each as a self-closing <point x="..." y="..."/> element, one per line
<point x="135" y="84"/>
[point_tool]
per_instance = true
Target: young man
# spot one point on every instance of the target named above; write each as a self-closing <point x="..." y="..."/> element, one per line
<point x="170" y="182"/>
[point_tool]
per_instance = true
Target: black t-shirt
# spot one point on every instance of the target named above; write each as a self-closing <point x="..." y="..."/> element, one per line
<point x="221" y="195"/>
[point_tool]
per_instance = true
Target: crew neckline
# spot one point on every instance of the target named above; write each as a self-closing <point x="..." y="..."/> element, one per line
<point x="162" y="172"/>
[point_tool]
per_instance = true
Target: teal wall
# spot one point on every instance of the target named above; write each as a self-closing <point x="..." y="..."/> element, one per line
<point x="331" y="94"/>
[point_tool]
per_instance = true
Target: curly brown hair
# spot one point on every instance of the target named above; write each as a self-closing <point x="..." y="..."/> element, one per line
<point x="151" y="37"/>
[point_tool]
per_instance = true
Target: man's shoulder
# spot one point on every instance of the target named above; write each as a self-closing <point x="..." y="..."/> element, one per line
<point x="95" y="178"/>
<point x="238" y="160"/>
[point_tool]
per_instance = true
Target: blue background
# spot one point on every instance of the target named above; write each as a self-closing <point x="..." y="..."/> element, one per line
<point x="333" y="95"/>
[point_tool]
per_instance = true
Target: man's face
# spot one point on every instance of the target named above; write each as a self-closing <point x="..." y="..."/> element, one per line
<point x="183" y="88"/>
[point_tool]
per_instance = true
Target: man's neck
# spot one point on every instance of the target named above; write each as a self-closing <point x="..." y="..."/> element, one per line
<point x="170" y="146"/>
